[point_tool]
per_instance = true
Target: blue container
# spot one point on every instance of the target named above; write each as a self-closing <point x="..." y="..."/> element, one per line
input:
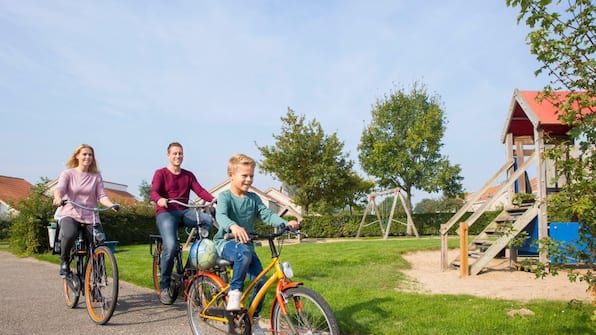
<point x="529" y="248"/>
<point x="568" y="234"/>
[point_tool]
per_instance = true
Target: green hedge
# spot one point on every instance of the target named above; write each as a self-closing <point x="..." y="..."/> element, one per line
<point x="4" y="229"/>
<point x="130" y="226"/>
<point x="337" y="226"/>
<point x="133" y="225"/>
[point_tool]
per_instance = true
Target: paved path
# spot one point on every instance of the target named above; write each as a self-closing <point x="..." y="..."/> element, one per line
<point x="31" y="302"/>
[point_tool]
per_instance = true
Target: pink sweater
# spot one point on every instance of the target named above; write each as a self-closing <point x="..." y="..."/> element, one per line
<point x="83" y="188"/>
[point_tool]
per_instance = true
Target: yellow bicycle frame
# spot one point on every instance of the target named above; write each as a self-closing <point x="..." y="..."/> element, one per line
<point x="277" y="276"/>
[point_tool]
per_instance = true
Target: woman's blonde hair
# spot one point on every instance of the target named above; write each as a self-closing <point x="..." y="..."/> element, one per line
<point x="240" y="159"/>
<point x="73" y="162"/>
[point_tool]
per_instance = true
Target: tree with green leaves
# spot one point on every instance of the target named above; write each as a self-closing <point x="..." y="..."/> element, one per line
<point x="563" y="38"/>
<point x="310" y="163"/>
<point x="401" y="147"/>
<point x="354" y="194"/>
<point x="441" y="205"/>
<point x="145" y="191"/>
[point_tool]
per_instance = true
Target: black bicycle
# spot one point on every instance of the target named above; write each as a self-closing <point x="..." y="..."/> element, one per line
<point x="181" y="272"/>
<point x="96" y="273"/>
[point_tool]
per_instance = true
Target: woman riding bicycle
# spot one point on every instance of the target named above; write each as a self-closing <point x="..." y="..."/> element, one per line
<point x="174" y="182"/>
<point x="81" y="183"/>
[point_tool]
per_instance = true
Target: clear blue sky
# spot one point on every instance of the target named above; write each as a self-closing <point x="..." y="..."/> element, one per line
<point x="129" y="77"/>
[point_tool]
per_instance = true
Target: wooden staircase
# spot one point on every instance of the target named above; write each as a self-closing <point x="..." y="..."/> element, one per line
<point x="497" y="235"/>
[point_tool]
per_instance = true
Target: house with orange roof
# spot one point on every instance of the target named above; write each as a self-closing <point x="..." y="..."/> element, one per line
<point x="12" y="190"/>
<point x="498" y="204"/>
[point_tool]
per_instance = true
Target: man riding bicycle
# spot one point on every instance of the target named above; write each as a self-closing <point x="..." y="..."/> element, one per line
<point x="173" y="182"/>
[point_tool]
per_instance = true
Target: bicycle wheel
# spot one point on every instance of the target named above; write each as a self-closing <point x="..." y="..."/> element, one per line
<point x="71" y="285"/>
<point x="201" y="292"/>
<point x="156" y="267"/>
<point x="308" y="313"/>
<point x="101" y="285"/>
<point x="72" y="289"/>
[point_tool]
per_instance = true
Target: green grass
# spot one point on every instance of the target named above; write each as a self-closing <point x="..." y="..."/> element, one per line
<point x="361" y="280"/>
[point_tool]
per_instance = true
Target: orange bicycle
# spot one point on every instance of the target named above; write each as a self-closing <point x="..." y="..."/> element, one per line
<point x="295" y="308"/>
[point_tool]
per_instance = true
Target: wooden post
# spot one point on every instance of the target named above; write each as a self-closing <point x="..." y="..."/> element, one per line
<point x="463" y="244"/>
<point x="444" y="247"/>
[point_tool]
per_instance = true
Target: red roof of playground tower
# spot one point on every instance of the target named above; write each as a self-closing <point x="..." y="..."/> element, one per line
<point x="526" y="114"/>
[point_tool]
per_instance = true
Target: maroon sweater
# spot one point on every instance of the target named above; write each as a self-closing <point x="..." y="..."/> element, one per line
<point x="167" y="185"/>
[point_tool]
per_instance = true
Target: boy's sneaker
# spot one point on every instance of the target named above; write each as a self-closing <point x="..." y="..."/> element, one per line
<point x="234" y="300"/>
<point x="164" y="297"/>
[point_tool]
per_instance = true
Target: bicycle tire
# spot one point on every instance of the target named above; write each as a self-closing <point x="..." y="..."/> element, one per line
<point x="72" y="289"/>
<point x="174" y="289"/>
<point x="308" y="312"/>
<point x="71" y="285"/>
<point x="176" y="281"/>
<point x="156" y="267"/>
<point x="202" y="290"/>
<point x="101" y="285"/>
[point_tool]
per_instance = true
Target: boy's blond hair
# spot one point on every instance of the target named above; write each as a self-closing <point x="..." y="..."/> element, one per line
<point x="240" y="159"/>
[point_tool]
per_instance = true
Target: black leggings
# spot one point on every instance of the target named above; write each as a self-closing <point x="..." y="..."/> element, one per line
<point x="69" y="232"/>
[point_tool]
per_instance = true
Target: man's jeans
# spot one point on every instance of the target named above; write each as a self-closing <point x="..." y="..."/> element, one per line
<point x="168" y="223"/>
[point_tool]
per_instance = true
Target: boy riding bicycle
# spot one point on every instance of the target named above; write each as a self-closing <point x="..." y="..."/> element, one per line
<point x="237" y="212"/>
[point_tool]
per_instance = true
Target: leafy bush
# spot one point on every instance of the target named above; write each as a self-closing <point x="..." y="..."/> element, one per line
<point x="4" y="228"/>
<point x="134" y="224"/>
<point x="28" y="232"/>
<point x="130" y="225"/>
<point x="336" y="226"/>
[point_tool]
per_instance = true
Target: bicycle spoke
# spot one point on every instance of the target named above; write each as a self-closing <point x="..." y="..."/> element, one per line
<point x="101" y="285"/>
<point x="201" y="293"/>
<point x="71" y="290"/>
<point x="308" y="313"/>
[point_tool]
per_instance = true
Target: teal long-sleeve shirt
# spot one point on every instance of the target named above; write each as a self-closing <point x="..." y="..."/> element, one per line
<point x="243" y="211"/>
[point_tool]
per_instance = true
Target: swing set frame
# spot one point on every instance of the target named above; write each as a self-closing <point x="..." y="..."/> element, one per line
<point x="372" y="205"/>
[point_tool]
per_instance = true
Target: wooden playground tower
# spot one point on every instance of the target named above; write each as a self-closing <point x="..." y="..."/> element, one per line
<point x="373" y="207"/>
<point x="528" y="126"/>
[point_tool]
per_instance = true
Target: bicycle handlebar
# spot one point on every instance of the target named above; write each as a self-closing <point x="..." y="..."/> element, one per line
<point x="95" y="209"/>
<point x="270" y="236"/>
<point x="191" y="205"/>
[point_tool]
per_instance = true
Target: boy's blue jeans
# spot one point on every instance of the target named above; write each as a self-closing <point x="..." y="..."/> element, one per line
<point x="168" y="223"/>
<point x="246" y="262"/>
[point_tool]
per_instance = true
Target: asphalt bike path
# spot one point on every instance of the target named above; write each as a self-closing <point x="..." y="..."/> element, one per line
<point x="32" y="302"/>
